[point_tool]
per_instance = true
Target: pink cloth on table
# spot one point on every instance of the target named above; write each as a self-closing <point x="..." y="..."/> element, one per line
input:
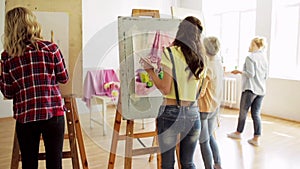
<point x="94" y="83"/>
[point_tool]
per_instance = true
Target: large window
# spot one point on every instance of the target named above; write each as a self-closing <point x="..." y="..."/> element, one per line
<point x="285" y="40"/>
<point x="234" y="24"/>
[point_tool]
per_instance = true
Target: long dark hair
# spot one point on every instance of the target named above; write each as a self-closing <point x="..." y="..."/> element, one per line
<point x="188" y="37"/>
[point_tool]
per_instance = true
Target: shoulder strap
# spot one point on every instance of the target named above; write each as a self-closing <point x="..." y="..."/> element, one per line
<point x="174" y="77"/>
<point x="175" y="80"/>
<point x="198" y="93"/>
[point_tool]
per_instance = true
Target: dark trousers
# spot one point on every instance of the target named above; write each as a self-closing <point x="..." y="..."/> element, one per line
<point x="29" y="135"/>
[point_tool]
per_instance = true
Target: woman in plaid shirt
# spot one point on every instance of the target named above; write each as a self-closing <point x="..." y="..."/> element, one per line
<point x="31" y="70"/>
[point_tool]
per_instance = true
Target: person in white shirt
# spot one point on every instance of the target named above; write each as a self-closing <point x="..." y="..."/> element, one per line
<point x="209" y="104"/>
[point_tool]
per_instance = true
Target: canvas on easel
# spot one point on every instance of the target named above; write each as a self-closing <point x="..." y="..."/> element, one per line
<point x="133" y="32"/>
<point x="55" y="26"/>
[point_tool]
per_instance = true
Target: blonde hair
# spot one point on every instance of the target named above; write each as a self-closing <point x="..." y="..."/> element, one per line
<point x="212" y="45"/>
<point x="260" y="42"/>
<point x="21" y="27"/>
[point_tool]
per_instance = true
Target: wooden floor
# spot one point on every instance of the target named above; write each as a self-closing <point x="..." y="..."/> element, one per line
<point x="280" y="146"/>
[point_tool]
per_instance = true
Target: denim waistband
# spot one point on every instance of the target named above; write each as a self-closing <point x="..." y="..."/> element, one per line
<point x="174" y="112"/>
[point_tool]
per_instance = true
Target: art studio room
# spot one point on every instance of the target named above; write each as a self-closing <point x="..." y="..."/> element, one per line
<point x="140" y="84"/>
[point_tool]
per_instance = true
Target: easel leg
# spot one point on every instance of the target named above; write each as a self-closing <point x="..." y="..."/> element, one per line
<point x="74" y="123"/>
<point x="158" y="155"/>
<point x="79" y="135"/>
<point x="15" y="154"/>
<point x="155" y="143"/>
<point x="71" y="134"/>
<point x="104" y="117"/>
<point x="114" y="144"/>
<point x="128" y="144"/>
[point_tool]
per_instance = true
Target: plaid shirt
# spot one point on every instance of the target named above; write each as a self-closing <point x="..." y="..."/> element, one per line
<point x="32" y="80"/>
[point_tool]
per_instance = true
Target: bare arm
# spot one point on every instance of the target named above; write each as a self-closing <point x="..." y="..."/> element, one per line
<point x="249" y="70"/>
<point x="236" y="72"/>
<point x="164" y="84"/>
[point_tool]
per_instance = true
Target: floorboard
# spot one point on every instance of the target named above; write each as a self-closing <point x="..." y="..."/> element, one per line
<point x="280" y="144"/>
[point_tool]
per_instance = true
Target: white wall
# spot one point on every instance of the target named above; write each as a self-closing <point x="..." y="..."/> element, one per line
<point x="282" y="99"/>
<point x="100" y="32"/>
<point x="282" y="95"/>
<point x="191" y="4"/>
<point x="5" y="105"/>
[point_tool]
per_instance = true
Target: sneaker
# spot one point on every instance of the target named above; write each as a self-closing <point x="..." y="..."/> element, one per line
<point x="234" y="135"/>
<point x="253" y="142"/>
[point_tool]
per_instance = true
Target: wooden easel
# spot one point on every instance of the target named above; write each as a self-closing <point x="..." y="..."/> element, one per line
<point x="74" y="132"/>
<point x="130" y="135"/>
<point x="145" y="12"/>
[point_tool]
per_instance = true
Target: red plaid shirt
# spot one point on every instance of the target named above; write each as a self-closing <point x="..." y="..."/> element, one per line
<point x="32" y="80"/>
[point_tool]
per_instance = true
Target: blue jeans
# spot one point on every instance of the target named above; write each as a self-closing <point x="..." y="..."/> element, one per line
<point x="249" y="99"/>
<point x="208" y="144"/>
<point x="171" y="122"/>
<point x="29" y="135"/>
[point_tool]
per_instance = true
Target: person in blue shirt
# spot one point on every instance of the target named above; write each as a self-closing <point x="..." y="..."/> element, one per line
<point x="254" y="76"/>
